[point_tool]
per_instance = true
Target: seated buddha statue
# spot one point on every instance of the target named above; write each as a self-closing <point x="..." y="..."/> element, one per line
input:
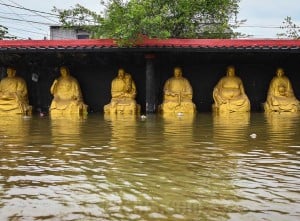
<point x="67" y="97"/>
<point x="229" y="94"/>
<point x="178" y="94"/>
<point x="123" y="93"/>
<point x="280" y="96"/>
<point x="13" y="94"/>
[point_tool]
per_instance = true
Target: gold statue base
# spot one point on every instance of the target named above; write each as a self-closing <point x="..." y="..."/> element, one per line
<point x="227" y="108"/>
<point x="122" y="109"/>
<point x="16" y="109"/>
<point x="167" y="108"/>
<point x="281" y="108"/>
<point x="77" y="110"/>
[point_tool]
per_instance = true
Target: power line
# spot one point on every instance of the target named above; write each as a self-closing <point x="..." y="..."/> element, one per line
<point x="275" y="27"/>
<point x="29" y="15"/>
<point x="55" y="15"/>
<point x="259" y="26"/>
<point x="42" y="12"/>
<point x="22" y="20"/>
<point x="27" y="9"/>
<point x="24" y="30"/>
<point x="29" y="21"/>
<point x="21" y="17"/>
<point x="32" y="11"/>
<point x="29" y="31"/>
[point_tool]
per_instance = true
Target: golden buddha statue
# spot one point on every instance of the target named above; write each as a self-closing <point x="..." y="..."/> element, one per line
<point x="13" y="94"/>
<point x="67" y="95"/>
<point x="281" y="97"/>
<point x="178" y="94"/>
<point x="123" y="92"/>
<point x="229" y="94"/>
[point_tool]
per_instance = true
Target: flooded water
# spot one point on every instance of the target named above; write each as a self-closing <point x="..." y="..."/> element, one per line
<point x="233" y="167"/>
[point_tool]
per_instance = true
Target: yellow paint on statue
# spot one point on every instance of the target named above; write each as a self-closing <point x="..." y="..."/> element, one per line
<point x="13" y="95"/>
<point x="123" y="92"/>
<point x="281" y="97"/>
<point x="178" y="94"/>
<point x="229" y="94"/>
<point x="67" y="97"/>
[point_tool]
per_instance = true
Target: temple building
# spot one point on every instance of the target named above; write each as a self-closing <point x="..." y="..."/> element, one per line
<point x="95" y="63"/>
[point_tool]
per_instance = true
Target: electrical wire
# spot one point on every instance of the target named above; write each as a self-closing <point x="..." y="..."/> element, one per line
<point x="27" y="9"/>
<point x="35" y="12"/>
<point x="41" y="12"/>
<point x="32" y="24"/>
<point x="25" y="30"/>
<point x="22" y="20"/>
<point x="22" y="14"/>
<point x="52" y="15"/>
<point x="41" y="15"/>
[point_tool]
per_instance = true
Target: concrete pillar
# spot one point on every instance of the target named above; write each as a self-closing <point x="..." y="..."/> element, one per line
<point x="151" y="85"/>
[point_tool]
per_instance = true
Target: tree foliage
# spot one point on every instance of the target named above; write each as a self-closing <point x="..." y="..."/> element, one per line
<point x="81" y="17"/>
<point x="3" y="32"/>
<point x="130" y="19"/>
<point x="291" y="29"/>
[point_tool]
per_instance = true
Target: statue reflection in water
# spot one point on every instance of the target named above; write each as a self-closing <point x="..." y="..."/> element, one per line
<point x="67" y="97"/>
<point x="13" y="94"/>
<point x="123" y="130"/>
<point x="231" y="129"/>
<point x="193" y="168"/>
<point x="154" y="167"/>
<point x="66" y="129"/>
<point x="14" y="130"/>
<point x="283" y="128"/>
<point x="178" y="130"/>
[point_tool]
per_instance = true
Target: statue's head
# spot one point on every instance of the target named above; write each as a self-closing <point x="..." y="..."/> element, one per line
<point x="230" y="71"/>
<point x="11" y="72"/>
<point x="64" y="71"/>
<point x="121" y="73"/>
<point x="279" y="72"/>
<point x="177" y="72"/>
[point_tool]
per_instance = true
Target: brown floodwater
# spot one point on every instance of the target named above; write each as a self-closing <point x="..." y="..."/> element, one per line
<point x="232" y="167"/>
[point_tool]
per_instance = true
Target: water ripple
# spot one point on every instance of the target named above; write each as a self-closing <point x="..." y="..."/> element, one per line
<point x="205" y="168"/>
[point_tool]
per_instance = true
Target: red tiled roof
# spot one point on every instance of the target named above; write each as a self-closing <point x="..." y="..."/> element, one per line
<point x="57" y="43"/>
<point x="95" y="44"/>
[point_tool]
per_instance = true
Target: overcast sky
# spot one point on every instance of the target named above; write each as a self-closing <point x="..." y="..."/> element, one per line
<point x="263" y="16"/>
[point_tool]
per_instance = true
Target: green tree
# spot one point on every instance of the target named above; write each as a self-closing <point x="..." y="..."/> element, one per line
<point x="3" y="32"/>
<point x="129" y="20"/>
<point x="291" y="29"/>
